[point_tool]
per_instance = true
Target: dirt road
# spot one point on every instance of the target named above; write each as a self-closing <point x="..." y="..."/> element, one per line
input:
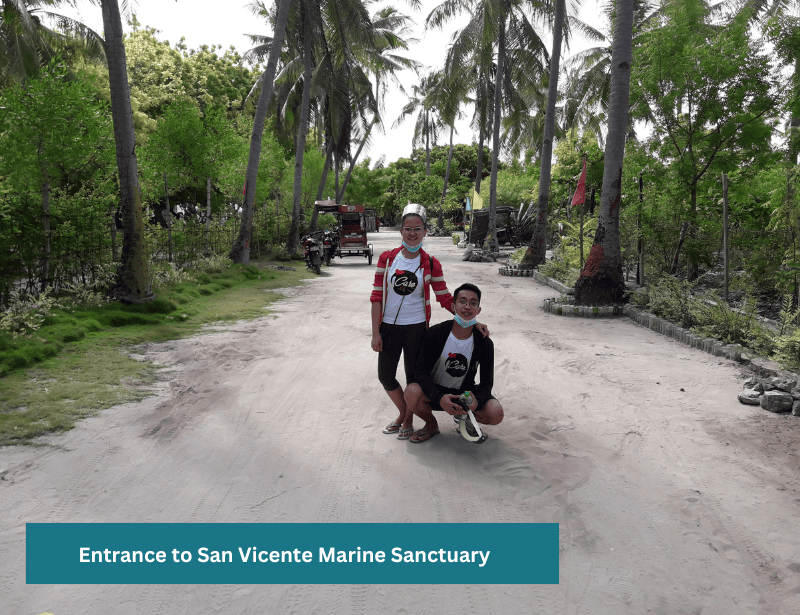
<point x="670" y="495"/>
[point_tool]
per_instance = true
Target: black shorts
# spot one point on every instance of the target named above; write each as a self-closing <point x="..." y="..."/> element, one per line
<point x="397" y="339"/>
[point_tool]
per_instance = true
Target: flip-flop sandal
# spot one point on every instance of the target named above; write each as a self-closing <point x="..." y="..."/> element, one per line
<point x="405" y="434"/>
<point x="422" y="436"/>
<point x="392" y="428"/>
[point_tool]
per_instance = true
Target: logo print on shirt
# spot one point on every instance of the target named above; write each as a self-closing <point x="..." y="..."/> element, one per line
<point x="455" y="364"/>
<point x="404" y="282"/>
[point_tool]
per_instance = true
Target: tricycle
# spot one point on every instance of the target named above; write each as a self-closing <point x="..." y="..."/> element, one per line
<point x="352" y="229"/>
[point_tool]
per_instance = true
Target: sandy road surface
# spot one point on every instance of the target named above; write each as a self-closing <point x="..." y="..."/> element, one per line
<point x="672" y="497"/>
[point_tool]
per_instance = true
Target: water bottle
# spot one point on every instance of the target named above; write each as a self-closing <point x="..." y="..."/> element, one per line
<point x="464" y="401"/>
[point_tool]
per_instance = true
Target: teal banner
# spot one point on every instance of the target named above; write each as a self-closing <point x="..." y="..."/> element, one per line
<point x="292" y="553"/>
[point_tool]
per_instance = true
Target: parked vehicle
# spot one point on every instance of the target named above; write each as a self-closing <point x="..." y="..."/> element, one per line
<point x="352" y="230"/>
<point x="330" y="245"/>
<point x="313" y="252"/>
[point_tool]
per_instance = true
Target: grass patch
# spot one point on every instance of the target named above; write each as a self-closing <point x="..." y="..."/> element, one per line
<point x="76" y="384"/>
<point x="75" y="364"/>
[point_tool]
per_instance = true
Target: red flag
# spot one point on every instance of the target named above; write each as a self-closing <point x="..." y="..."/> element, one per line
<point x="580" y="191"/>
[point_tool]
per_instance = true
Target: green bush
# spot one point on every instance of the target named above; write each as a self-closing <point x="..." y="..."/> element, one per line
<point x="214" y="263"/>
<point x="714" y="318"/>
<point x="560" y="270"/>
<point x="280" y="254"/>
<point x="26" y="313"/>
<point x="670" y="298"/>
<point x="517" y="255"/>
<point x="787" y="349"/>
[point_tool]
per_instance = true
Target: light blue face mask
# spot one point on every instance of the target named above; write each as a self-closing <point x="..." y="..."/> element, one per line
<point x="464" y="323"/>
<point x="413" y="249"/>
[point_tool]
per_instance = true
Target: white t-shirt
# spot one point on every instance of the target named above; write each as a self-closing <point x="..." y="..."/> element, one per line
<point x="451" y="368"/>
<point x="405" y="302"/>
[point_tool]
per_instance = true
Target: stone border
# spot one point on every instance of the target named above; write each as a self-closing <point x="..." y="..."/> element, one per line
<point x="707" y="344"/>
<point x="554" y="306"/>
<point x="651" y="321"/>
<point x="516" y="270"/>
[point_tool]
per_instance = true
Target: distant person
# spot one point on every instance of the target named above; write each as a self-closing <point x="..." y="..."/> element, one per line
<point x="401" y="310"/>
<point x="377" y="225"/>
<point x="452" y="352"/>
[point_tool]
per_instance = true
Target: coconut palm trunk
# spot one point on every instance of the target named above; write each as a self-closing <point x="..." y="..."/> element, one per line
<point x="302" y="134"/>
<point x="321" y="188"/>
<point x="207" y="251"/>
<point x="449" y="162"/>
<point x="481" y="137"/>
<point x="240" y="252"/>
<point x="340" y="197"/>
<point x="133" y="276"/>
<point x="46" y="228"/>
<point x="427" y="146"/>
<point x="538" y="245"/>
<point x="498" y="104"/>
<point x="601" y="281"/>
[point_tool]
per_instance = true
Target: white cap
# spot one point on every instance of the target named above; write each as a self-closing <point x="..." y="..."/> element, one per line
<point x="416" y="210"/>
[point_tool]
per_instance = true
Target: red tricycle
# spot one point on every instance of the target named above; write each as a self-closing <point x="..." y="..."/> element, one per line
<point x="353" y="223"/>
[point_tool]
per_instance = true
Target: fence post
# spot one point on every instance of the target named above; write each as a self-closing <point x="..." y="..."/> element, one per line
<point x="208" y="216"/>
<point x="581" y="236"/>
<point x="169" y="218"/>
<point x="639" y="241"/>
<point x="725" y="278"/>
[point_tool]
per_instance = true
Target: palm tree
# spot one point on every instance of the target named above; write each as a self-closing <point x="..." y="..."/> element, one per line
<point x="240" y="252"/>
<point x="538" y="246"/>
<point x="389" y="26"/>
<point x="27" y="43"/>
<point x="331" y="31"/>
<point x="601" y="281"/>
<point x="588" y="73"/>
<point x="506" y="24"/>
<point x="133" y="277"/>
<point x="428" y="124"/>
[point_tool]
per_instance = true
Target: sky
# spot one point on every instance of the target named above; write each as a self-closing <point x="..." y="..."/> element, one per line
<point x="205" y="22"/>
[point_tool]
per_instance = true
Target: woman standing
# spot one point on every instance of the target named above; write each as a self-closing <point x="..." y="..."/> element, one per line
<point x="401" y="310"/>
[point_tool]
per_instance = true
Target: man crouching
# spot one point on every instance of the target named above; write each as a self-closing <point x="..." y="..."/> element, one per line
<point x="447" y="365"/>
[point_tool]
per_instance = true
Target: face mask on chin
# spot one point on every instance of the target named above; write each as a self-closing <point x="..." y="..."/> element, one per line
<point x="464" y="323"/>
<point x="413" y="249"/>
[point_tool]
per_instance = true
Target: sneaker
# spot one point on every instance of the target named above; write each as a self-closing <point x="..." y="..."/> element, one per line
<point x="471" y="429"/>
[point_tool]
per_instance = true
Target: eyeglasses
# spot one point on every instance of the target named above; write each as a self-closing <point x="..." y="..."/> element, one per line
<point x="416" y="229"/>
<point x="472" y="303"/>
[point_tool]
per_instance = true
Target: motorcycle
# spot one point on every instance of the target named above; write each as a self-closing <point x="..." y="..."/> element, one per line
<point x="313" y="253"/>
<point x="330" y="246"/>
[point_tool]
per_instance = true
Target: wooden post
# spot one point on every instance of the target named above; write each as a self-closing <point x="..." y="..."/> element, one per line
<point x="725" y="262"/>
<point x="112" y="211"/>
<point x="639" y="241"/>
<point x="169" y="218"/>
<point x="581" y="236"/>
<point x="208" y="216"/>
